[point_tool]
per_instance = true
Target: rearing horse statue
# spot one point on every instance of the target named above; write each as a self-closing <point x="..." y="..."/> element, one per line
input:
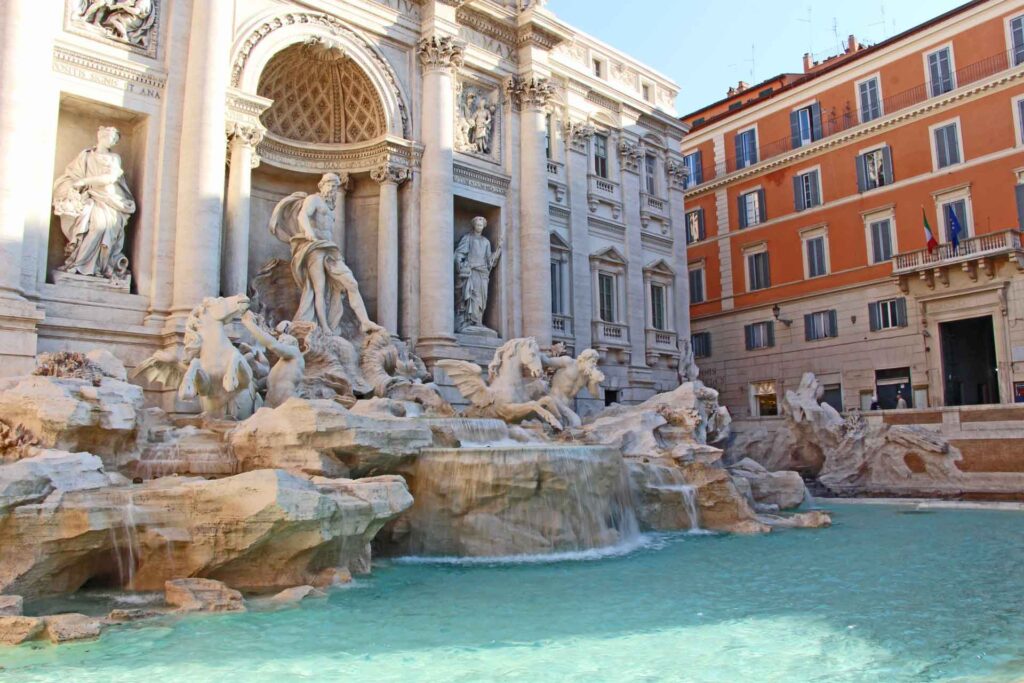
<point x="505" y="394"/>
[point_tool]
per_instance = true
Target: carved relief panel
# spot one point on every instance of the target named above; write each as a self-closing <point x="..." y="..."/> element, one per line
<point x="477" y="120"/>
<point x="129" y="23"/>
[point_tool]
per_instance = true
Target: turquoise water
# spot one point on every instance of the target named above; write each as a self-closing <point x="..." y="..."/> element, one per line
<point x="886" y="594"/>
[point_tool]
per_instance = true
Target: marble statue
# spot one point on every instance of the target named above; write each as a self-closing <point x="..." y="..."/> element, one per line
<point x="571" y="375"/>
<point x="212" y="369"/>
<point x="331" y="363"/>
<point x="286" y="375"/>
<point x="474" y="124"/>
<point x="474" y="261"/>
<point x="306" y="223"/>
<point x="129" y="21"/>
<point x="397" y="373"/>
<point x="94" y="204"/>
<point x="505" y="394"/>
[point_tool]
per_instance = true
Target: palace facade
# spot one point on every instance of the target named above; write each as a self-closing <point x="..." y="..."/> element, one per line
<point x="806" y="209"/>
<point x="430" y="113"/>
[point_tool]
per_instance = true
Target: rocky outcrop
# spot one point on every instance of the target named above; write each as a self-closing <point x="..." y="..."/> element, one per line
<point x="323" y="438"/>
<point x="11" y="605"/>
<point x="779" y="490"/>
<point x="18" y="630"/>
<point x="202" y="595"/>
<point x="32" y="480"/>
<point x="65" y="628"/>
<point x="513" y="500"/>
<point x="75" y="414"/>
<point x="291" y="596"/>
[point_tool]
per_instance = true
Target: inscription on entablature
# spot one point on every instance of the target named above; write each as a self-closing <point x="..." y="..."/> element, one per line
<point x="408" y="7"/>
<point x="488" y="43"/>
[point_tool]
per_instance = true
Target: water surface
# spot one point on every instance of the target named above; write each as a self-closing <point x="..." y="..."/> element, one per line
<point x="881" y="596"/>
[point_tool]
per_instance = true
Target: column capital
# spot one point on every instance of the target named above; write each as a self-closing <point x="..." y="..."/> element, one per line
<point x="529" y="92"/>
<point x="630" y="154"/>
<point x="677" y="174"/>
<point x="246" y="135"/>
<point x="440" y="52"/>
<point x="344" y="181"/>
<point x="577" y="134"/>
<point x="390" y="173"/>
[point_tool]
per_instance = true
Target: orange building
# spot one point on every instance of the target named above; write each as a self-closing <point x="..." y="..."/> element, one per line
<point x="805" y="212"/>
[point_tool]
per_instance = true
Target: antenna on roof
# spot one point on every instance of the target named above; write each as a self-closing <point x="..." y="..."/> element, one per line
<point x="885" y="33"/>
<point x="835" y="34"/>
<point x="810" y="31"/>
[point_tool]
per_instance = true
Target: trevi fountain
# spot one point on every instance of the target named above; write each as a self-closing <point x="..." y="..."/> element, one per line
<point x="312" y="413"/>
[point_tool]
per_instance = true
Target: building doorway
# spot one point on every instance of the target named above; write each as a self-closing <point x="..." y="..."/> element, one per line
<point x="969" y="362"/>
<point x="890" y="384"/>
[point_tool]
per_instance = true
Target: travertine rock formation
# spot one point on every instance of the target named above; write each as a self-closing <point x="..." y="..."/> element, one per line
<point x="64" y="628"/>
<point x="323" y="438"/>
<point x="781" y="490"/>
<point x="18" y="630"/>
<point x="202" y="595"/>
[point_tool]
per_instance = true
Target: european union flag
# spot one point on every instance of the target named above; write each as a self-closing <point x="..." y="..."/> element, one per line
<point x="954" y="228"/>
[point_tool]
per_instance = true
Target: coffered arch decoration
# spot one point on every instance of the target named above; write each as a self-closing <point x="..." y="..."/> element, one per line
<point x="273" y="33"/>
<point x="320" y="96"/>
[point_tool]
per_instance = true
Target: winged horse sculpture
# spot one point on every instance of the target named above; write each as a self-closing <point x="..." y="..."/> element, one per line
<point x="505" y="394"/>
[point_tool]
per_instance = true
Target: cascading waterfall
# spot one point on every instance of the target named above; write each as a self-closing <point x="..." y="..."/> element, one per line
<point x="125" y="542"/>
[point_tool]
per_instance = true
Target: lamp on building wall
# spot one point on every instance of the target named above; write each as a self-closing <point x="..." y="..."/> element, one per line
<point x="777" y="312"/>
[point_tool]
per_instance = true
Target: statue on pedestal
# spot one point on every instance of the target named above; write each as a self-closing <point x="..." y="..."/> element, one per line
<point x="306" y="223"/>
<point x="474" y="261"/>
<point x="94" y="204"/>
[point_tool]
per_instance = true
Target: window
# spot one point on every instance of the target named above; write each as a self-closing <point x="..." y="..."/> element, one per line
<point x="606" y="292"/>
<point x="959" y="208"/>
<point x="806" y="190"/>
<point x="947" y="145"/>
<point x="887" y="314"/>
<point x="694" y="169"/>
<point x="700" y="344"/>
<point x="758" y="276"/>
<point x="650" y="171"/>
<point x="759" y="335"/>
<point x="1017" y="40"/>
<point x="874" y="169"/>
<point x="821" y="325"/>
<point x="751" y="208"/>
<point x="659" y="304"/>
<point x="695" y="226"/>
<point x="696" y="285"/>
<point x="832" y="394"/>
<point x="598" y="68"/>
<point x="1018" y="106"/>
<point x="816" y="254"/>
<point x="600" y="155"/>
<point x="764" y="401"/>
<point x="805" y="125"/>
<point x="940" y="71"/>
<point x="746" y="148"/>
<point x="548" y="137"/>
<point x="881" y="240"/>
<point x="869" y="99"/>
<point x="558" y="288"/>
<point x="645" y="92"/>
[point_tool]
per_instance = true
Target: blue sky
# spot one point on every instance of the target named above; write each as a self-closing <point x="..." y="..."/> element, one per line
<point x="707" y="45"/>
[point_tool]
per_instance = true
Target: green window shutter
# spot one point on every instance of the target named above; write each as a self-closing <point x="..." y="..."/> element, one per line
<point x="771" y="333"/>
<point x="748" y="331"/>
<point x="873" y="317"/>
<point x="798" y="193"/>
<point x="833" y="323"/>
<point x="816" y="121"/>
<point x="887" y="165"/>
<point x="808" y="327"/>
<point x="862" y="178"/>
<point x="741" y="210"/>
<point x="698" y="169"/>
<point x="901" y="311"/>
<point x="794" y="129"/>
<point x="761" y="207"/>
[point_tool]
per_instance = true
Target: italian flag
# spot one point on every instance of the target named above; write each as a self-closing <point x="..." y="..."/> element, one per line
<point x="928" y="236"/>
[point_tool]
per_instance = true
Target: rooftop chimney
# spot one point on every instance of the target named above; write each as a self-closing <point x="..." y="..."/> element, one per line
<point x="808" y="62"/>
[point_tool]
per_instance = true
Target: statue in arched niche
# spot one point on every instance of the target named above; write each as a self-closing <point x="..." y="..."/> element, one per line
<point x="474" y="261"/>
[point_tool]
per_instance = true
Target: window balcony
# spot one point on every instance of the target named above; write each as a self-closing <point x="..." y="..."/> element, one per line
<point x="662" y="348"/>
<point x="556" y="170"/>
<point x="612" y="335"/>
<point x="654" y="206"/>
<point x="602" y="187"/>
<point x="561" y="326"/>
<point x="973" y="254"/>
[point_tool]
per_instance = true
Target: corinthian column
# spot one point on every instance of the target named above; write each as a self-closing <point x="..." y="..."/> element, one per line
<point x="389" y="176"/>
<point x="201" y="169"/>
<point x="532" y="94"/>
<point x="440" y="55"/>
<point x="242" y="141"/>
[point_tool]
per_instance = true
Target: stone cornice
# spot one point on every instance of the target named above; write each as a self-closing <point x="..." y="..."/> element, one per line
<point x="120" y="75"/>
<point x="481" y="180"/>
<point x="486" y="25"/>
<point x="870" y="128"/>
<point x="354" y="158"/>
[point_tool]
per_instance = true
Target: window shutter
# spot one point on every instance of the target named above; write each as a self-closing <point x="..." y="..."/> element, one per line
<point x="741" y="209"/>
<point x="794" y="128"/>
<point x="1019" y="192"/>
<point x="873" y="316"/>
<point x="808" y="327"/>
<point x="815" y="193"/>
<point x="798" y="194"/>
<point x="901" y="311"/>
<point x="887" y="164"/>
<point x="698" y="169"/>
<point x="833" y="323"/>
<point x="771" y="333"/>
<point x="707" y="344"/>
<point x="738" y="144"/>
<point x="862" y="180"/>
<point x="701" y="232"/>
<point x="761" y="207"/>
<point x="748" y="331"/>
<point x="941" y="153"/>
<point x="816" y="121"/>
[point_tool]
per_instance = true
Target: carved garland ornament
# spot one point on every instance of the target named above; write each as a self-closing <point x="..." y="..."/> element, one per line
<point x="440" y="52"/>
<point x="335" y="27"/>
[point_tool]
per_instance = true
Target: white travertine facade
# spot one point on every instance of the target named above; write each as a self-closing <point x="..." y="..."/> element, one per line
<point x="430" y="113"/>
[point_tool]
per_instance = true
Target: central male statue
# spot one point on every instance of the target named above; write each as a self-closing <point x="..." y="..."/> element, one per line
<point x="306" y="223"/>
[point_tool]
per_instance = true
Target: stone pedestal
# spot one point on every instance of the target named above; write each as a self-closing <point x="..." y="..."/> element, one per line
<point x="100" y="284"/>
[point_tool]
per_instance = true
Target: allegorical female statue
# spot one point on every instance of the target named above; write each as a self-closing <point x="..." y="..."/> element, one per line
<point x="473" y="263"/>
<point x="94" y="205"/>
